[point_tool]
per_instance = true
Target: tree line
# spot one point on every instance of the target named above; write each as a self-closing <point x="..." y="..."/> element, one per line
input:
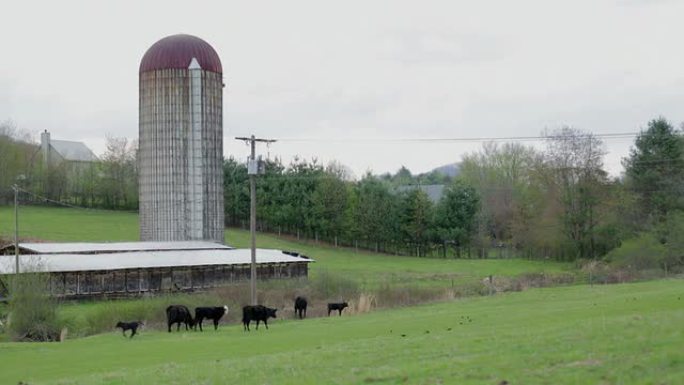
<point x="555" y="202"/>
<point x="508" y="199"/>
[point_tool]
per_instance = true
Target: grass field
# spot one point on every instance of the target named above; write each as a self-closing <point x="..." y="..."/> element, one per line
<point x="617" y="334"/>
<point x="69" y="225"/>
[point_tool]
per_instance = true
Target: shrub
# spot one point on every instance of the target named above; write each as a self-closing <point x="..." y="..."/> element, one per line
<point x="33" y="314"/>
<point x="640" y="253"/>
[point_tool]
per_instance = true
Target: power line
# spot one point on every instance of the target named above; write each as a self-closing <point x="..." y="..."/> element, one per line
<point x="622" y="135"/>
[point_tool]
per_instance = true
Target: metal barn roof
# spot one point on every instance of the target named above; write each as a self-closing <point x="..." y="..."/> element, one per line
<point x="142" y="259"/>
<point x="114" y="247"/>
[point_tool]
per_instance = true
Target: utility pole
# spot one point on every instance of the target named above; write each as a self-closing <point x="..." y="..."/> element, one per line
<point x="16" y="229"/>
<point x="252" y="171"/>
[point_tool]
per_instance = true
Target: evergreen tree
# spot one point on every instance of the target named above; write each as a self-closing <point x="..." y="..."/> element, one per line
<point x="455" y="215"/>
<point x="655" y="169"/>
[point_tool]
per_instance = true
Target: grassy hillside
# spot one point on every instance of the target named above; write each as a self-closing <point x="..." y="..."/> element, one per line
<point x="69" y="225"/>
<point x="619" y="334"/>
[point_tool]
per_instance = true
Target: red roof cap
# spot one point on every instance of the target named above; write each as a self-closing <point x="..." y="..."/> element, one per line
<point x="176" y="51"/>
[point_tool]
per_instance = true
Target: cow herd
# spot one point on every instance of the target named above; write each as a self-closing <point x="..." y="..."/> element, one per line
<point x="181" y="315"/>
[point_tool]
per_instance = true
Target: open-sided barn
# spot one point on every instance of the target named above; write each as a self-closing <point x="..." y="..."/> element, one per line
<point x="77" y="270"/>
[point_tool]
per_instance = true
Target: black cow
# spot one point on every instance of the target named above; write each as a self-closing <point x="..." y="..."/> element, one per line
<point x="257" y="313"/>
<point x="212" y="313"/>
<point x="337" y="306"/>
<point x="132" y="326"/>
<point x="300" y="307"/>
<point x="177" y="314"/>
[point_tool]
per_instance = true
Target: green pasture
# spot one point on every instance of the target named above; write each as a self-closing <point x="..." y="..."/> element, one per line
<point x="365" y="267"/>
<point x="617" y="334"/>
<point x="69" y="225"/>
<point x="372" y="269"/>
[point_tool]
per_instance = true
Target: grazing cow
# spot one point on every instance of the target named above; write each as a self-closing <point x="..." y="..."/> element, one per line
<point x="257" y="313"/>
<point x="132" y="326"/>
<point x="300" y="307"/>
<point x="337" y="306"/>
<point x="177" y="314"/>
<point x="212" y="313"/>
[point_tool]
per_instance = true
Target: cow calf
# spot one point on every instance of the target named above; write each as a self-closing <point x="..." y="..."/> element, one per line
<point x="337" y="306"/>
<point x="132" y="326"/>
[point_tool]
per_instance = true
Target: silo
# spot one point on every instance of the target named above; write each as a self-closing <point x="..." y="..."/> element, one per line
<point x="181" y="141"/>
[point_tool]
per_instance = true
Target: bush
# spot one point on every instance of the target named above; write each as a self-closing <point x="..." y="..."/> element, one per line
<point x="33" y="314"/>
<point x="641" y="253"/>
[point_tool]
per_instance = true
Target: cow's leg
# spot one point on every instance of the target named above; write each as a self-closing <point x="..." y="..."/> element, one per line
<point x="257" y="328"/>
<point x="170" y="326"/>
<point x="132" y="333"/>
<point x="329" y="310"/>
<point x="199" y="322"/>
<point x="266" y="323"/>
<point x="340" y="310"/>
<point x="216" y="321"/>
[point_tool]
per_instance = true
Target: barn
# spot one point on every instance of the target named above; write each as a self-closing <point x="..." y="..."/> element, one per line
<point x="121" y="269"/>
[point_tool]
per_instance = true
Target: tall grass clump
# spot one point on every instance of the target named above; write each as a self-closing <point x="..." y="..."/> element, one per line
<point x="32" y="312"/>
<point x="334" y="286"/>
<point x="388" y="295"/>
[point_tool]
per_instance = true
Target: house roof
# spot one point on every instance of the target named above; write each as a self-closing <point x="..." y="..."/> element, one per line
<point x="54" y="263"/>
<point x="433" y="191"/>
<point x="75" y="151"/>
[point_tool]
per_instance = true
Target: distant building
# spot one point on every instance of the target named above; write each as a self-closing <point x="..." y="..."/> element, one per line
<point x="56" y="152"/>
<point x="433" y="191"/>
<point x="66" y="164"/>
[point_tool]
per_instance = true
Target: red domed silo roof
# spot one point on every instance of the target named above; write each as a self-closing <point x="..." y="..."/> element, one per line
<point x="176" y="51"/>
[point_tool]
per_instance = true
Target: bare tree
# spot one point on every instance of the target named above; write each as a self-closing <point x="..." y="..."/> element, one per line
<point x="573" y="170"/>
<point x="119" y="181"/>
<point x="502" y="175"/>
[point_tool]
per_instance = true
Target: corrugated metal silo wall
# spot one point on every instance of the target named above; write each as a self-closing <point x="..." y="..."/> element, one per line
<point x="165" y="133"/>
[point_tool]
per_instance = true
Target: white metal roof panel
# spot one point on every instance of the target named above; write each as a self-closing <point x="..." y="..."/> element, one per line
<point x="141" y="259"/>
<point x="117" y="247"/>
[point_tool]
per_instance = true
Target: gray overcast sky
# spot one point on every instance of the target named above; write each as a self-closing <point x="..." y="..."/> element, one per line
<point x="355" y="69"/>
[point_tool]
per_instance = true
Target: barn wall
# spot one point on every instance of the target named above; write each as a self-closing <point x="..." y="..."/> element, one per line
<point x="134" y="282"/>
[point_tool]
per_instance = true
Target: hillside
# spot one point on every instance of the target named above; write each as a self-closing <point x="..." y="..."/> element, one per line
<point x="618" y="334"/>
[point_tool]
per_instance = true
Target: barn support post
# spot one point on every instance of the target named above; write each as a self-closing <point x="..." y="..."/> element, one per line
<point x="16" y="228"/>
